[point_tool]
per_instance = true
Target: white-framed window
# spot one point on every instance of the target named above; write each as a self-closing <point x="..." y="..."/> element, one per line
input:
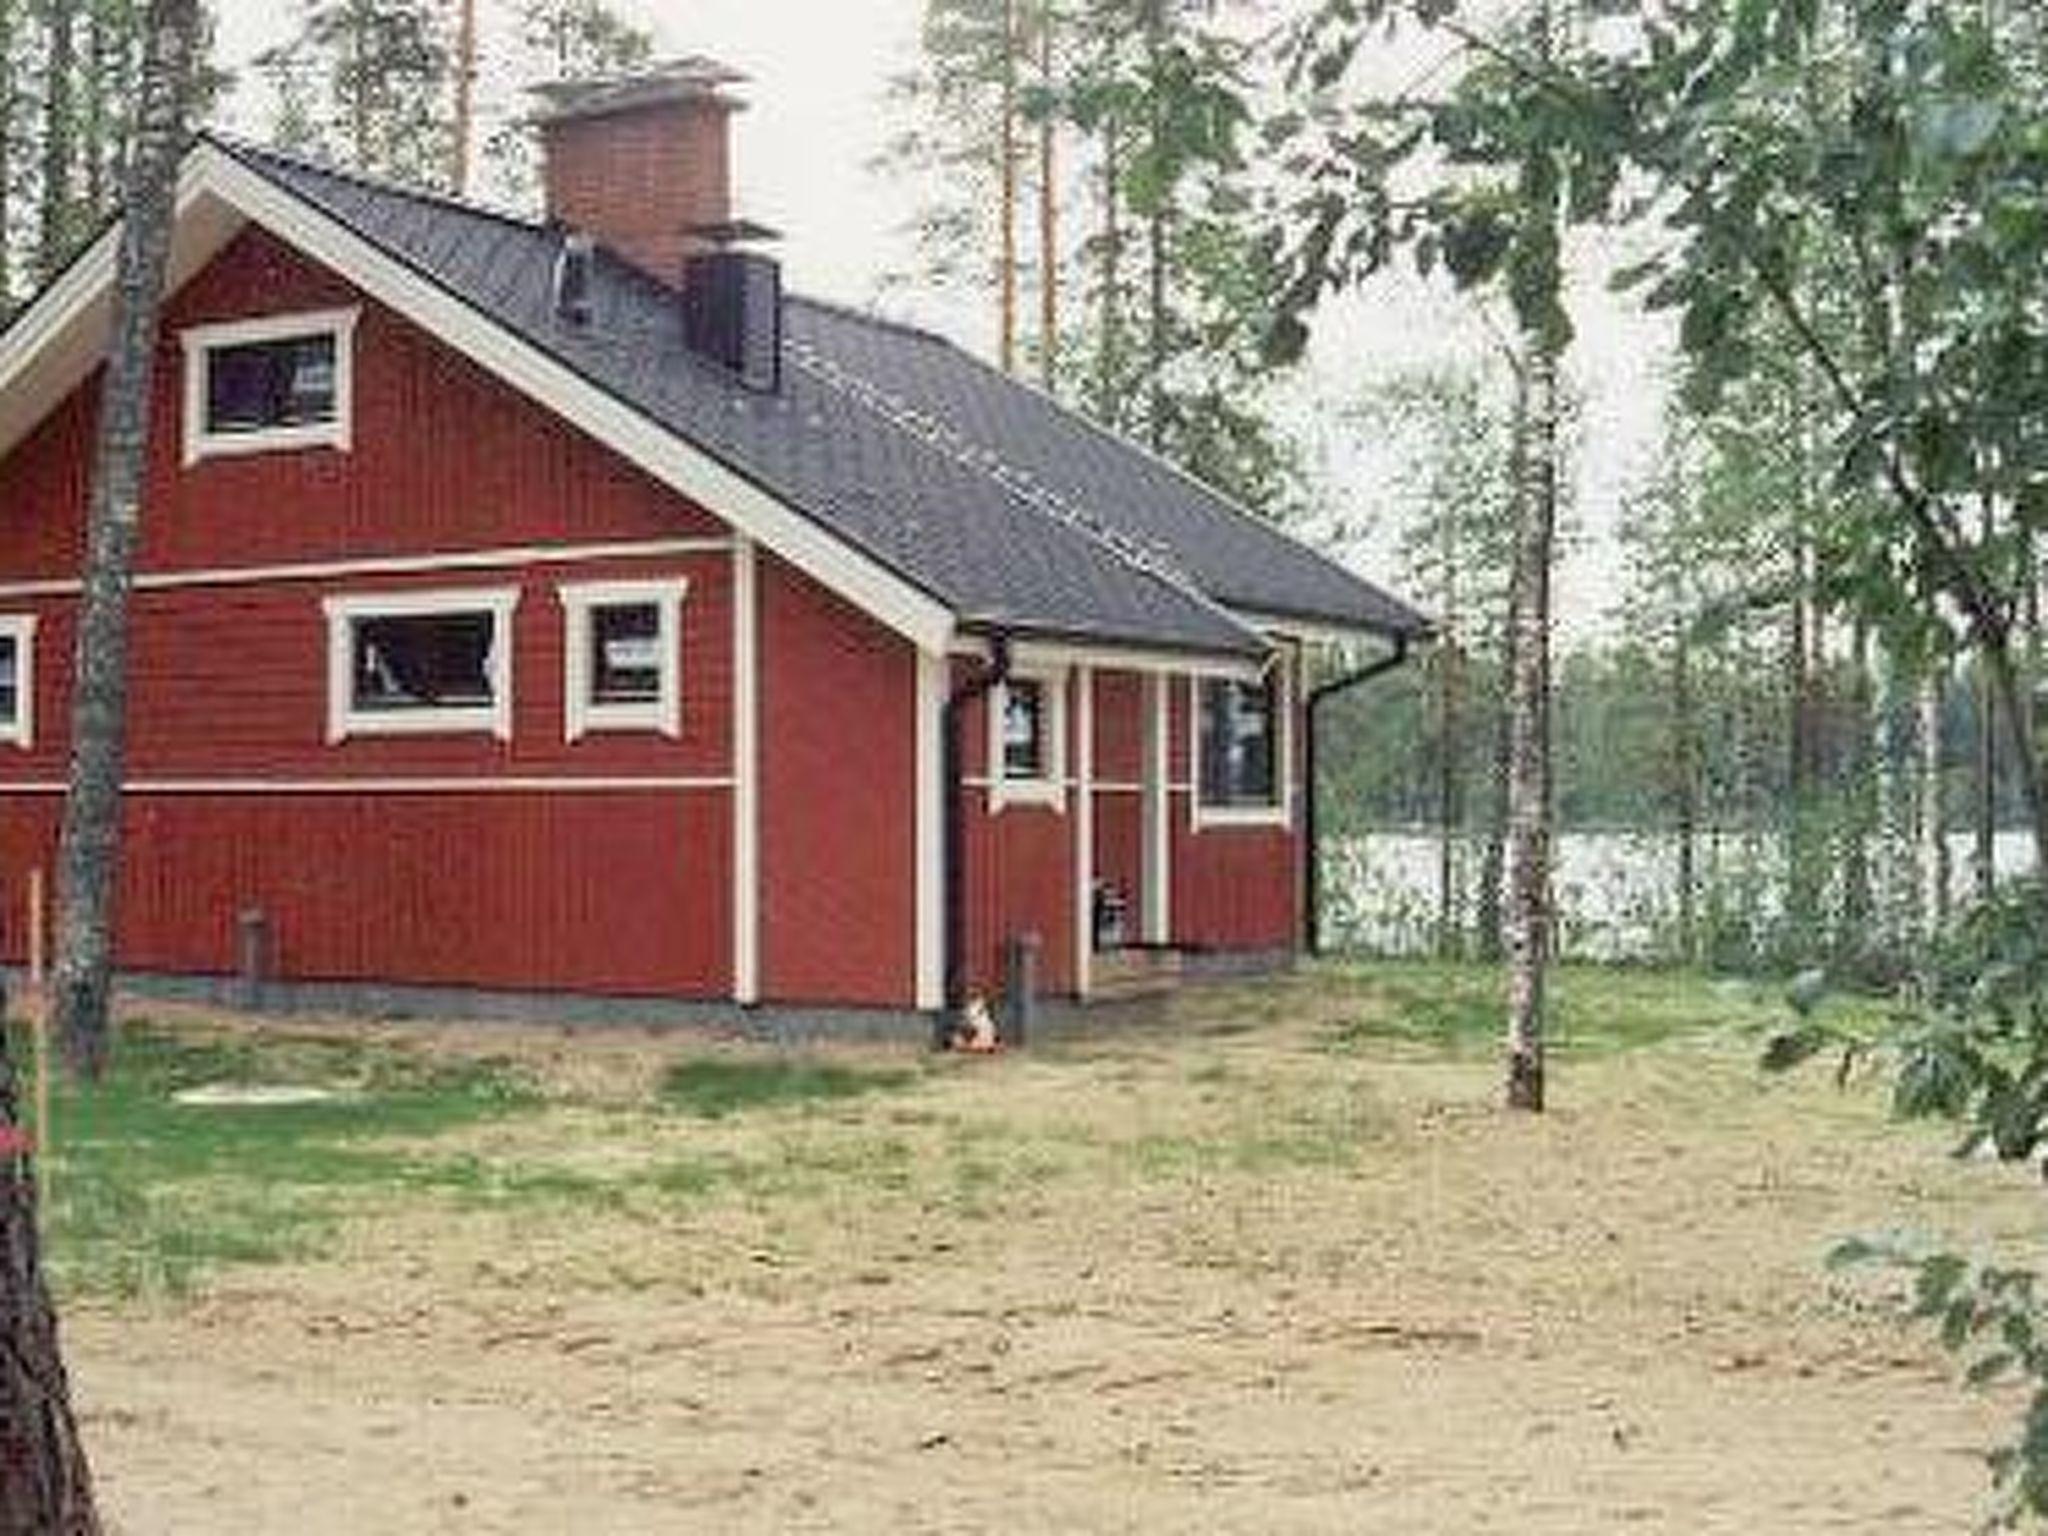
<point x="622" y="656"/>
<point x="1241" y="743"/>
<point x="1027" y="739"/>
<point x="262" y="386"/>
<point x="420" y="663"/>
<point x="18" y="679"/>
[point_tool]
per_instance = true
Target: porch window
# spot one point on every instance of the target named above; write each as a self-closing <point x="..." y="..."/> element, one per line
<point x="17" y="679"/>
<point x="1024" y="730"/>
<point x="1028" y="740"/>
<point x="621" y="644"/>
<point x="420" y="662"/>
<point x="1239" y="745"/>
<point x="260" y="386"/>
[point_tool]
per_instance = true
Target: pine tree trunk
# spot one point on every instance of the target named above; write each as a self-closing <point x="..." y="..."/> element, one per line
<point x="1863" y="789"/>
<point x="1048" y="215"/>
<point x="45" y="1482"/>
<point x="1450" y="796"/>
<point x="465" y="95"/>
<point x="88" y="853"/>
<point x="1157" y="235"/>
<point x="59" y="94"/>
<point x="1685" y="773"/>
<point x="10" y="23"/>
<point x="1006" y="176"/>
<point x="1109" y="363"/>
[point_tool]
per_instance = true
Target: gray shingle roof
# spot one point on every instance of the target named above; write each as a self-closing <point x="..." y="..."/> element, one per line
<point x="1007" y="508"/>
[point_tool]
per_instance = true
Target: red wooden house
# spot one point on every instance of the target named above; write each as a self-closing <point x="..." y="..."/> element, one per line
<point x="559" y="608"/>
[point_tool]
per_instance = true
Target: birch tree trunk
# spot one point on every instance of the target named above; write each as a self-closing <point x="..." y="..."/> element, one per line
<point x="1528" y="917"/>
<point x="1933" y="819"/>
<point x="1539" y="279"/>
<point x="45" y="1482"/>
<point x="89" y="851"/>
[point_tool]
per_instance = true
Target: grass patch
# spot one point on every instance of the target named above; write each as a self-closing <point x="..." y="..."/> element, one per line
<point x="1460" y="1010"/>
<point x="712" y="1087"/>
<point x="148" y="1194"/>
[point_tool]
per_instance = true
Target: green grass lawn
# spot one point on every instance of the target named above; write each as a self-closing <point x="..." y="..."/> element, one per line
<point x="151" y="1195"/>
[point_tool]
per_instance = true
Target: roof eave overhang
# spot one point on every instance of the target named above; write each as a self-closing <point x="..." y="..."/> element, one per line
<point x="57" y="342"/>
<point x="1336" y="633"/>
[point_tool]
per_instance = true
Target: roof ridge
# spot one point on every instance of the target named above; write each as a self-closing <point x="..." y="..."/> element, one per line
<point x="242" y="148"/>
<point x="1017" y="482"/>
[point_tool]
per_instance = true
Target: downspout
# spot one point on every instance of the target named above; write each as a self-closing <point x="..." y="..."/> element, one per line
<point x="1312" y="853"/>
<point x="984" y="682"/>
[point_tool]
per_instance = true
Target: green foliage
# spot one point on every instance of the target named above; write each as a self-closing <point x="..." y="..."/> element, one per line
<point x="368" y="82"/>
<point x="1969" y="1045"/>
<point x="713" y="1087"/>
<point x="1163" y="286"/>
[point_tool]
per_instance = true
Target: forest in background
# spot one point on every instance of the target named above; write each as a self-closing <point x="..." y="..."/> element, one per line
<point x="1114" y="171"/>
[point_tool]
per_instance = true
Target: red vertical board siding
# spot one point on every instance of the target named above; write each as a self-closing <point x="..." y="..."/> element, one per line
<point x="624" y="892"/>
<point x="838" y="800"/>
<point x="608" y="893"/>
<point x="1120" y="807"/>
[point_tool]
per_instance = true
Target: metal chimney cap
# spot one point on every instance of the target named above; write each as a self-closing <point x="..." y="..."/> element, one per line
<point x="691" y="80"/>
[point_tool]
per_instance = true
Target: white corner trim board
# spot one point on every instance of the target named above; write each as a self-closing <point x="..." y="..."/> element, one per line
<point x="934" y="674"/>
<point x="746" y="775"/>
<point x="344" y="719"/>
<point x="681" y="465"/>
<point x="201" y="342"/>
<point x="1084" y="830"/>
<point x="19" y="630"/>
<point x="582" y="712"/>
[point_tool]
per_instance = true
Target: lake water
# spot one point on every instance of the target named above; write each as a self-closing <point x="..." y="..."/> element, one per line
<point x="1616" y="891"/>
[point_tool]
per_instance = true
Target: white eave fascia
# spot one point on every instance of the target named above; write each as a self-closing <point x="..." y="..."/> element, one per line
<point x="1115" y="656"/>
<point x="1323" y="632"/>
<point x="724" y="492"/>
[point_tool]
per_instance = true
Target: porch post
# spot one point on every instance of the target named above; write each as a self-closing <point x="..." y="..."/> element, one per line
<point x="1084" y="828"/>
<point x="1157" y="872"/>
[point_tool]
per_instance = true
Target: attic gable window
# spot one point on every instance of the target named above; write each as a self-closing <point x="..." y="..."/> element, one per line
<point x="271" y="385"/>
<point x="621" y="647"/>
<point x="413" y="663"/>
<point x="1240" y="748"/>
<point x="1028" y="740"/>
<point x="17" y="679"/>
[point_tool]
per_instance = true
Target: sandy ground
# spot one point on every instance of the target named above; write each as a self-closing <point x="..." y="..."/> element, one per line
<point x="1179" y="1279"/>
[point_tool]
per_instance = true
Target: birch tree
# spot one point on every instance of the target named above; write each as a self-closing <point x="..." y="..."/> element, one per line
<point x="89" y="848"/>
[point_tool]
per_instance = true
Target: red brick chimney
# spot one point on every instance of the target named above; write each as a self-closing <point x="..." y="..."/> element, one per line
<point x="644" y="163"/>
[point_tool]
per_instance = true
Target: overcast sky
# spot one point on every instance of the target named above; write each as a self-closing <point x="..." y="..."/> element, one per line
<point x="802" y="157"/>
